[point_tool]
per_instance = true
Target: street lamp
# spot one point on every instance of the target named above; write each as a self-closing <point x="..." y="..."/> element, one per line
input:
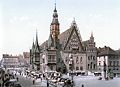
<point x="104" y="70"/>
<point x="43" y="63"/>
<point x="71" y="67"/>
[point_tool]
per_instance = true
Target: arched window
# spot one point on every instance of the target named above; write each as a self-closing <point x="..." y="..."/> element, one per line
<point x="81" y="60"/>
<point x="91" y="65"/>
<point x="77" y="60"/>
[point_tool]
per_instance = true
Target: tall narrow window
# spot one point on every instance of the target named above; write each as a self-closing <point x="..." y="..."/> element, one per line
<point x="88" y="57"/>
<point x="81" y="60"/>
<point x="77" y="60"/>
<point x="117" y="63"/>
<point x="94" y="66"/>
<point x="91" y="65"/>
<point x="93" y="57"/>
<point x="88" y="66"/>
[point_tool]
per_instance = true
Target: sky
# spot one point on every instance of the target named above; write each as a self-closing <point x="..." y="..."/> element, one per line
<point x="19" y="20"/>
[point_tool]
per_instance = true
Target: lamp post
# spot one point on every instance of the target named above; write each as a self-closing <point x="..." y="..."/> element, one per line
<point x="104" y="70"/>
<point x="71" y="67"/>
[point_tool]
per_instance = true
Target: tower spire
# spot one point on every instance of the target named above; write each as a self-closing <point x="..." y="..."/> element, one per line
<point x="55" y="16"/>
<point x="55" y="4"/>
<point x="92" y="37"/>
<point x="36" y="37"/>
<point x="36" y="41"/>
<point x="92" y="34"/>
<point x="73" y="23"/>
<point x="54" y="27"/>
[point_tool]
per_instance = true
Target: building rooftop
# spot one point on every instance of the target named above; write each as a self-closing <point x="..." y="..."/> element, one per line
<point x="106" y="51"/>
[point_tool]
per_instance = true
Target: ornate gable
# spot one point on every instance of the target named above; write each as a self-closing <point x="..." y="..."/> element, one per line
<point x="74" y="40"/>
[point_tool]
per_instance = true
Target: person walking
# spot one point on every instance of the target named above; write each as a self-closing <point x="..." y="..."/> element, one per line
<point x="33" y="81"/>
<point x="17" y="78"/>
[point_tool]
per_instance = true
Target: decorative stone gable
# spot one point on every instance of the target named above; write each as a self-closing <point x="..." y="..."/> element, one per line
<point x="74" y="41"/>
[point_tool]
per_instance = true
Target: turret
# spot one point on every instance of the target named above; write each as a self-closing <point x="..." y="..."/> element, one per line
<point x="91" y="37"/>
<point x="37" y="44"/>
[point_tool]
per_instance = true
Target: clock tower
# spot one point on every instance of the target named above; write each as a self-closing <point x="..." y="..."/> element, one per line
<point x="54" y="27"/>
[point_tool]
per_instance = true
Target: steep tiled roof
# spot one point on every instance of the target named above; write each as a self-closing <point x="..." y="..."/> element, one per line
<point x="64" y="36"/>
<point x="44" y="44"/>
<point x="106" y="51"/>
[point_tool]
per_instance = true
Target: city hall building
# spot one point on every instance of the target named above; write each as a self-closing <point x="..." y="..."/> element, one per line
<point x="64" y="52"/>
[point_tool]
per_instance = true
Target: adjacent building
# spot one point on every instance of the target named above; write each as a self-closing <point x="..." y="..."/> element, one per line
<point x="108" y="61"/>
<point x="10" y="61"/>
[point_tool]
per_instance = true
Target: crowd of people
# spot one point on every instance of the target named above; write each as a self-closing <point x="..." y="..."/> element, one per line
<point x="5" y="77"/>
<point x="50" y="77"/>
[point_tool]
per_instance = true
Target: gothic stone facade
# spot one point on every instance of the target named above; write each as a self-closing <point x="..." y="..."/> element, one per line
<point x="57" y="51"/>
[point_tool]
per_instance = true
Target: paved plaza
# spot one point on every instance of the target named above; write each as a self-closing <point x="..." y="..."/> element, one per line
<point x="94" y="82"/>
<point x="87" y="81"/>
